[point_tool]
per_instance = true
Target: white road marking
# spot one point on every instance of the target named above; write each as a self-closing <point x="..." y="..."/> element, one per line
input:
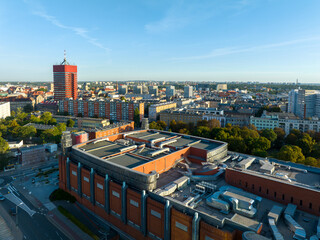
<point x="13" y="198"/>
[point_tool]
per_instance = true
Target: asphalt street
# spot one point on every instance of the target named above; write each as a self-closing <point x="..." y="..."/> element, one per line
<point x="35" y="227"/>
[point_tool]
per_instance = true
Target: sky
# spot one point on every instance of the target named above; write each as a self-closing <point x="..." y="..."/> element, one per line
<point x="166" y="40"/>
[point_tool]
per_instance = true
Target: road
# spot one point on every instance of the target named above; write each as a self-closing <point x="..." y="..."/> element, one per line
<point x="32" y="221"/>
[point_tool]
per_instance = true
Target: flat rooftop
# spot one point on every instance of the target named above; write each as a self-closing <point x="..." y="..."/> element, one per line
<point x="129" y="156"/>
<point x="306" y="220"/>
<point x="127" y="160"/>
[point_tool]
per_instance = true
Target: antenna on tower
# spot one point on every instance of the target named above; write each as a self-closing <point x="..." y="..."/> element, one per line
<point x="65" y="59"/>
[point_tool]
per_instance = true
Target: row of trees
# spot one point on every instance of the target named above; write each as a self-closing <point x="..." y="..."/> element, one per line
<point x="13" y="127"/>
<point x="296" y="147"/>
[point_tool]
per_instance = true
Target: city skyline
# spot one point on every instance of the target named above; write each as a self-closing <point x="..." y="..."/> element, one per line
<point x="266" y="41"/>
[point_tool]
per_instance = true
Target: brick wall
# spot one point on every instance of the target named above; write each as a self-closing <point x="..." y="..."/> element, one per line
<point x="306" y="199"/>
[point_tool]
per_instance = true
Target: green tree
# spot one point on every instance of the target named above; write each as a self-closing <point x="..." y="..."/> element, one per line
<point x="214" y="123"/>
<point x="259" y="153"/>
<point x="280" y="137"/>
<point x="202" y="131"/>
<point x="153" y="125"/>
<point x="316" y="150"/>
<point x="4" y="146"/>
<point x="28" y="108"/>
<point x="237" y="144"/>
<point x="70" y="123"/>
<point x="261" y="143"/>
<point x="3" y="130"/>
<point x="136" y="118"/>
<point x="27" y="132"/>
<point x="306" y="143"/>
<point x="269" y="134"/>
<point x="312" y="162"/>
<point x="34" y="119"/>
<point x="162" y="125"/>
<point x="46" y="117"/>
<point x="291" y="153"/>
<point x="291" y="139"/>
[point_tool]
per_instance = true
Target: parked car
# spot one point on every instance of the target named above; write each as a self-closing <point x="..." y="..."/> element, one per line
<point x="2" y="197"/>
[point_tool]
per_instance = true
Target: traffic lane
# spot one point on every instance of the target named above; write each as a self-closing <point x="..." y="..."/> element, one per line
<point x="35" y="227"/>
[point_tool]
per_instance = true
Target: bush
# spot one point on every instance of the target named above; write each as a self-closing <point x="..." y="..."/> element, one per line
<point x="59" y="194"/>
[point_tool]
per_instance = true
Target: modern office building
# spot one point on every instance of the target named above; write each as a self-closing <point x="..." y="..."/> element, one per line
<point x="123" y="89"/>
<point x="5" y="109"/>
<point x="188" y="91"/>
<point x="101" y="108"/>
<point x="161" y="185"/>
<point x="137" y="89"/>
<point x="155" y="109"/>
<point x="170" y="91"/>
<point x="304" y="103"/>
<point x="65" y="81"/>
<point x="153" y="90"/>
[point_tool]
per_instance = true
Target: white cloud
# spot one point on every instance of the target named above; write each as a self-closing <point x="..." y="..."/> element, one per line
<point x="234" y="50"/>
<point x="82" y="32"/>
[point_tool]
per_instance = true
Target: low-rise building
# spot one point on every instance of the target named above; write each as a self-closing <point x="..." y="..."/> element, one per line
<point x="114" y="128"/>
<point x="155" y="109"/>
<point x="18" y="102"/>
<point x="83" y="122"/>
<point x="5" y="109"/>
<point x="31" y="155"/>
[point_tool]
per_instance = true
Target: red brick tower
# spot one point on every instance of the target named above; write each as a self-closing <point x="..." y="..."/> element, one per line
<point x="65" y="81"/>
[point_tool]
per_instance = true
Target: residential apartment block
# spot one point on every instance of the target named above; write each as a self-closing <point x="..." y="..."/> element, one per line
<point x="304" y="103"/>
<point x="286" y="121"/>
<point x="113" y="110"/>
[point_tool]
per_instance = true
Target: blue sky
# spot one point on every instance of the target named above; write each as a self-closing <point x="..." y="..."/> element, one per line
<point x="207" y="40"/>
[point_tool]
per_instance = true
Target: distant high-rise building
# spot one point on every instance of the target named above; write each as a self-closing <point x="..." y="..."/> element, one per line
<point x="170" y="91"/>
<point x="304" y="103"/>
<point x="123" y="89"/>
<point x="221" y="87"/>
<point x="51" y="87"/>
<point x="65" y="81"/>
<point x="137" y="89"/>
<point x="188" y="91"/>
<point x="153" y="90"/>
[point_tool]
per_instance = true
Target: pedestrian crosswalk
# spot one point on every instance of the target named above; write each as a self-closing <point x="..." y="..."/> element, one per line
<point x="18" y="202"/>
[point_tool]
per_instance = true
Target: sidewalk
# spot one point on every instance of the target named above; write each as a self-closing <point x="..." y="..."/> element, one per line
<point x="15" y="231"/>
<point x="66" y="226"/>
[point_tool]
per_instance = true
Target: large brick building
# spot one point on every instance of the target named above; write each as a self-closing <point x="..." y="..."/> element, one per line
<point x="163" y="185"/>
<point x="65" y="81"/>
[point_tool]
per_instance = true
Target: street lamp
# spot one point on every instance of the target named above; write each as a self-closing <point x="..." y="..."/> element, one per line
<point x="17" y="212"/>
